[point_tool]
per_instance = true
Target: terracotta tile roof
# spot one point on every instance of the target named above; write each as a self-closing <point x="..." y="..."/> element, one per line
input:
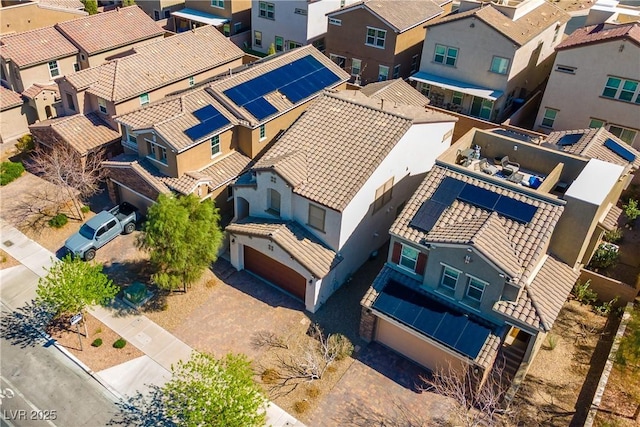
<point x="36" y="47"/>
<point x="601" y="33"/>
<point x="258" y="69"/>
<point x="9" y="98"/>
<point x="401" y="15"/>
<point x="540" y="302"/>
<point x="395" y="91"/>
<point x="84" y="133"/>
<point x="610" y="220"/>
<point x="170" y="118"/>
<point x="526" y="241"/>
<point x="35" y="89"/>
<point x="316" y="154"/>
<point x="305" y="248"/>
<point x="108" y="30"/>
<point x="519" y="31"/>
<point x="136" y="174"/>
<point x="158" y="64"/>
<point x="591" y="145"/>
<point x="62" y="4"/>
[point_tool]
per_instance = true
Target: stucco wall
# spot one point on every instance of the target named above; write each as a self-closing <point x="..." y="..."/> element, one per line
<point x="40" y="73"/>
<point x="13" y="123"/>
<point x="286" y="24"/>
<point x="28" y="16"/>
<point x="608" y="288"/>
<point x="199" y="156"/>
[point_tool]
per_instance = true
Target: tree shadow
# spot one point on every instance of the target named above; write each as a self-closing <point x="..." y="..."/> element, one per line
<point x="360" y="414"/>
<point x="24" y="326"/>
<point x="144" y="410"/>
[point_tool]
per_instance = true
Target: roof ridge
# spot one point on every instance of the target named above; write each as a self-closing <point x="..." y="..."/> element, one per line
<point x="33" y="30"/>
<point x="361" y="104"/>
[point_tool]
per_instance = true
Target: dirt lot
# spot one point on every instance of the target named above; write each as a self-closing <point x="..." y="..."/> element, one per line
<point x="6" y="260"/>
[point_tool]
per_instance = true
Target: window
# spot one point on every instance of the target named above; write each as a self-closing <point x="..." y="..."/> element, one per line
<point x="425" y="89"/>
<point x="356" y="66"/>
<point x="415" y="63"/>
<point x="263" y="132"/>
<point x="375" y="37"/>
<point x="131" y="137"/>
<point x="215" y="145"/>
<point x="299" y="11"/>
<point x="257" y="38"/>
<point x="555" y="34"/>
<point x="596" y="123"/>
<point x="396" y="71"/>
<point x="316" y="217"/>
<point x="279" y="44"/>
<point x="70" y="102"/>
<point x="217" y="3"/>
<point x="319" y="44"/>
<point x="167" y="14"/>
<point x="341" y="61"/>
<point x="409" y="257"/>
<point x="266" y="10"/>
<point x="293" y="45"/>
<point x="54" y="71"/>
<point x="76" y="67"/>
<point x="457" y="97"/>
<point x="549" y="117"/>
<point x="622" y="90"/>
<point x="156" y="15"/>
<point x="446" y="55"/>
<point x="475" y="289"/>
<point x="226" y="30"/>
<point x="566" y="69"/>
<point x="156" y="152"/>
<point x="237" y="27"/>
<point x="274" y="201"/>
<point x="192" y="81"/>
<point x="627" y="135"/>
<point x="102" y="106"/>
<point x="499" y="65"/>
<point x="449" y="278"/>
<point x="383" y="195"/>
<point x="383" y="73"/>
<point x="144" y="99"/>
<point x="334" y="21"/>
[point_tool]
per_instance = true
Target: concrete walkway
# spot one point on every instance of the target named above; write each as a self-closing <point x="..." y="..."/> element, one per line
<point x="162" y="349"/>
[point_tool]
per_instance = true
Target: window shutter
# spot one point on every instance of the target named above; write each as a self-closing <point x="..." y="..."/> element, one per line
<point x="397" y="249"/>
<point x="421" y="263"/>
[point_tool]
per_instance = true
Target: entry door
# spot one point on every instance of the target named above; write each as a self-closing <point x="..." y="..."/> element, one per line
<point x="481" y="107"/>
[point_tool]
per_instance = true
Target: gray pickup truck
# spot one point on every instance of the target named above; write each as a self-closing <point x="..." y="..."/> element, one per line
<point x="101" y="229"/>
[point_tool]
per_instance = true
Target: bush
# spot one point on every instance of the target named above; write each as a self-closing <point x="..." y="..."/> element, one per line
<point x="552" y="341"/>
<point x="613" y="236"/>
<point x="85" y="209"/>
<point x="58" y="221"/>
<point x="301" y="406"/>
<point x="583" y="293"/>
<point x="631" y="210"/>
<point x="313" y="391"/>
<point x="605" y="257"/>
<point x="10" y="171"/>
<point x="97" y="342"/>
<point x="606" y="307"/>
<point x="270" y="376"/>
<point x="340" y="346"/>
<point x="119" y="343"/>
<point x="24" y="144"/>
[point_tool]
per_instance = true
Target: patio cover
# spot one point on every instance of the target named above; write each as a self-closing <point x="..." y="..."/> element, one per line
<point x="457" y="85"/>
<point x="197" y="16"/>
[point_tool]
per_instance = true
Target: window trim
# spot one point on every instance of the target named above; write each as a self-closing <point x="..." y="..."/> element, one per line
<point x="446" y="55"/>
<point x="359" y="66"/>
<point x="143" y="97"/>
<point x="270" y="207"/>
<point x="102" y="106"/>
<point x="380" y="74"/>
<point x="215" y="142"/>
<point x="263" y="132"/>
<point x="468" y="287"/>
<point x="335" y="21"/>
<point x="415" y="261"/>
<point x="415" y="63"/>
<point x="265" y="12"/>
<point x="256" y="38"/>
<point x="54" y="66"/>
<point x="375" y="38"/>
<point x="497" y="70"/>
<point x="622" y="130"/>
<point x="192" y="81"/>
<point x="544" y="117"/>
<point x="441" y="284"/>
<point x="592" y="125"/>
<point x="342" y="61"/>
<point x="279" y="47"/>
<point x="324" y="217"/>
<point x="219" y="4"/>
<point x="154" y="150"/>
<point x="634" y="98"/>
<point x="396" y="71"/>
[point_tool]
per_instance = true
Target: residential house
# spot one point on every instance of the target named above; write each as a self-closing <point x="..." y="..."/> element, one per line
<point x="231" y="17"/>
<point x="609" y="87"/>
<point x="160" y="9"/>
<point x="290" y="24"/>
<point x="110" y="35"/>
<point x="19" y="16"/>
<point x="13" y="120"/>
<point x="316" y="205"/>
<point x="380" y="40"/>
<point x="612" y="12"/>
<point x="200" y="141"/>
<point x="485" y="253"/>
<point x="485" y="57"/>
<point x="156" y="70"/>
<point x="31" y="61"/>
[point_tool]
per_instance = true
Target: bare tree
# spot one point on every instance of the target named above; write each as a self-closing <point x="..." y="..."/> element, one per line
<point x="471" y="404"/>
<point x="74" y="176"/>
<point x="268" y="339"/>
<point x="311" y="362"/>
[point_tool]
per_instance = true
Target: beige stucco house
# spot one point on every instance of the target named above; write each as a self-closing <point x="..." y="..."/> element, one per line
<point x="200" y="141"/>
<point x="13" y="118"/>
<point x="595" y="82"/>
<point x="19" y="16"/>
<point x="485" y="253"/>
<point x="374" y="42"/>
<point x="230" y="17"/>
<point x="485" y="57"/>
<point x="160" y="9"/>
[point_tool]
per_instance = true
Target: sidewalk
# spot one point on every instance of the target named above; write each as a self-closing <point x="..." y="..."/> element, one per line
<point x="18" y="287"/>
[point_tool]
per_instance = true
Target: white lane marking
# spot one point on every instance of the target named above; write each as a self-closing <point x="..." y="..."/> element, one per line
<point x="31" y="405"/>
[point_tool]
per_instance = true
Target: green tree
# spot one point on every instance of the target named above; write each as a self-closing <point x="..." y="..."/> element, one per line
<point x="90" y="6"/>
<point x="272" y="49"/>
<point x="126" y="3"/>
<point x="206" y="391"/>
<point x="72" y="284"/>
<point x="182" y="237"/>
<point x="631" y="210"/>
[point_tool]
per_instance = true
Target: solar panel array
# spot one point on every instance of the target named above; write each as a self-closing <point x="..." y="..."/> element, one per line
<point x="570" y="139"/>
<point x="620" y="150"/>
<point x="432" y="318"/>
<point x="210" y="120"/>
<point x="451" y="189"/>
<point x="297" y="80"/>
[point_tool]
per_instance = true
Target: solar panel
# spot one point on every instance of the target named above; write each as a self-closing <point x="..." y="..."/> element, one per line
<point x="477" y="196"/>
<point x="448" y="190"/>
<point x="472" y="339"/>
<point x="237" y="95"/>
<point x="427" y="215"/>
<point x="205" y="113"/>
<point x="208" y="126"/>
<point x="569" y="139"/>
<point x="386" y="303"/>
<point x="515" y="209"/>
<point x="450" y="328"/>
<point x="260" y="108"/>
<point x="620" y="150"/>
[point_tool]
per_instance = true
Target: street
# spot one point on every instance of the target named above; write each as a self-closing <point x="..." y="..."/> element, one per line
<point x="40" y="386"/>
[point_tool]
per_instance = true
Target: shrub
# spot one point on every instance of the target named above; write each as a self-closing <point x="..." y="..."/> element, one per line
<point x="10" y="171"/>
<point x="119" y="343"/>
<point x="583" y="293"/>
<point x="97" y="331"/>
<point x="301" y="406"/>
<point x="631" y="210"/>
<point x="85" y="209"/>
<point x="552" y="341"/>
<point x="613" y="236"/>
<point x="58" y="221"/>
<point x="340" y="346"/>
<point x="97" y="342"/>
<point x="605" y="257"/>
<point x="270" y="376"/>
<point x="24" y="144"/>
<point x="313" y="391"/>
<point x="606" y="307"/>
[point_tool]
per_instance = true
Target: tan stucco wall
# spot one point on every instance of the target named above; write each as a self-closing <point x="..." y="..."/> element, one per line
<point x="235" y="11"/>
<point x="149" y="6"/>
<point x="29" y="16"/>
<point x="13" y="124"/>
<point x="39" y="73"/>
<point x="46" y="98"/>
<point x="199" y="156"/>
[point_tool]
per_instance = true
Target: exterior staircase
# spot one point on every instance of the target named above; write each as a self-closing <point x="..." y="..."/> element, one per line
<point x="509" y="360"/>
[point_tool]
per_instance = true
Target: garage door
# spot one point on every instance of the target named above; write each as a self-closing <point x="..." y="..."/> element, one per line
<point x="422" y="352"/>
<point x="276" y="273"/>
